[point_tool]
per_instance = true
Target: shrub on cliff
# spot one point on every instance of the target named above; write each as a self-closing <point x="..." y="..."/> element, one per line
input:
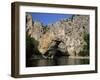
<point x="85" y="51"/>
<point x="31" y="47"/>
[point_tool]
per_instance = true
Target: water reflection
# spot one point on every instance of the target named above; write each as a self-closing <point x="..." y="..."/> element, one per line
<point x="58" y="61"/>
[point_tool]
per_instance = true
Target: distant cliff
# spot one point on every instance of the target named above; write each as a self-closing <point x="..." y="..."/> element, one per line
<point x="71" y="32"/>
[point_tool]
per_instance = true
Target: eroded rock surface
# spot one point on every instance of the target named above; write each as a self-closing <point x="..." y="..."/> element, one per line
<point x="69" y="31"/>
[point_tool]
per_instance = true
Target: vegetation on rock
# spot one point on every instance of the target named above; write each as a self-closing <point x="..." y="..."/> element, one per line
<point x="85" y="51"/>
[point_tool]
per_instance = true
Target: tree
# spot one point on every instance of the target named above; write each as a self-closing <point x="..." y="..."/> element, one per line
<point x="31" y="48"/>
<point x="85" y="51"/>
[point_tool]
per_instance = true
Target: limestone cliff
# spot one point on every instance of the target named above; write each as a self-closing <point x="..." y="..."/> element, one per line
<point x="33" y="28"/>
<point x="69" y="31"/>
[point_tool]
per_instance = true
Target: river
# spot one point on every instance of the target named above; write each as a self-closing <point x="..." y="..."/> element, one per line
<point x="59" y="61"/>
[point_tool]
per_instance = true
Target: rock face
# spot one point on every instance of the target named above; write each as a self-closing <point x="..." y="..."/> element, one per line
<point x="69" y="31"/>
<point x="34" y="29"/>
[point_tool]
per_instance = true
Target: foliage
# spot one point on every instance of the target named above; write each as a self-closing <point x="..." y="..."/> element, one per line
<point x="85" y="51"/>
<point x="31" y="47"/>
<point x="45" y="29"/>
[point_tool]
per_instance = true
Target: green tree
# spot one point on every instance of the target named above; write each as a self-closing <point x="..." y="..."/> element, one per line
<point x="85" y="51"/>
<point x="31" y="48"/>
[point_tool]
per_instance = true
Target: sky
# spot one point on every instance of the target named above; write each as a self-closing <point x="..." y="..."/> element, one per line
<point x="49" y="18"/>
